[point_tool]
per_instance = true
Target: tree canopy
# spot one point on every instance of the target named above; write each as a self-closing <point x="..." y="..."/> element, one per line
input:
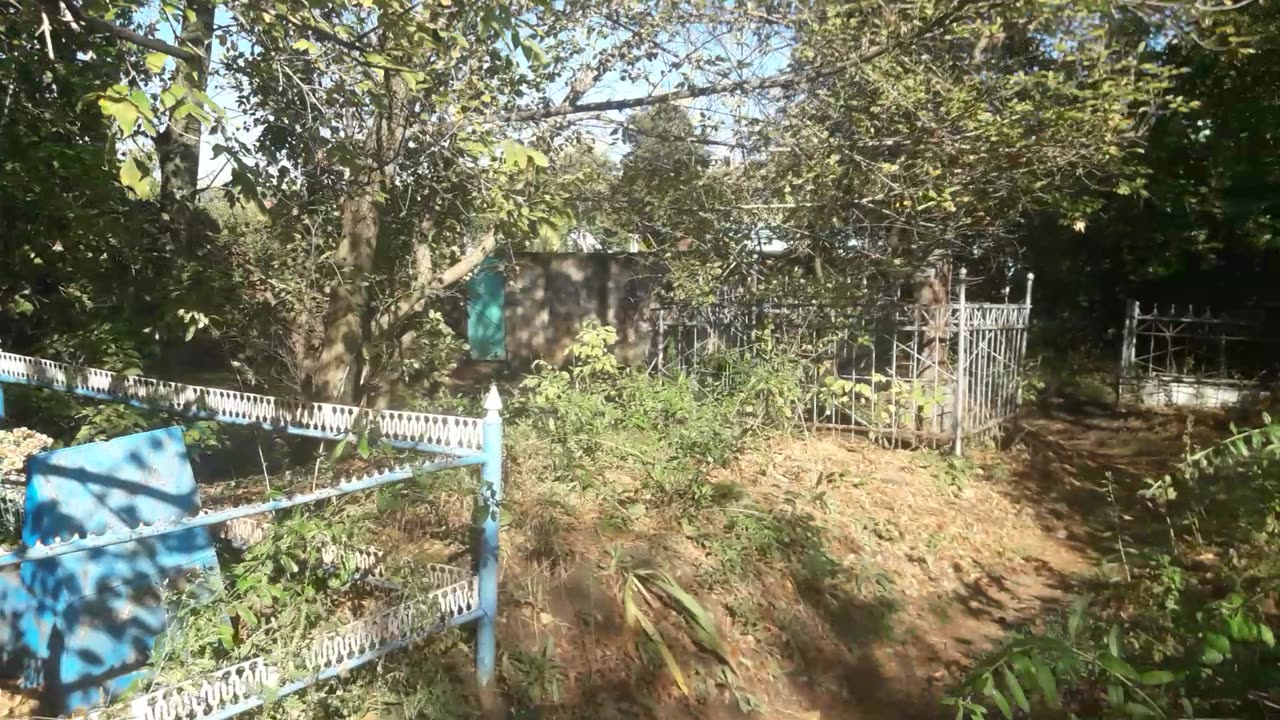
<point x="360" y="159"/>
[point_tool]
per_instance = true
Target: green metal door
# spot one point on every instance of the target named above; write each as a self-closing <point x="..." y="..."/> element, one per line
<point x="486" y="327"/>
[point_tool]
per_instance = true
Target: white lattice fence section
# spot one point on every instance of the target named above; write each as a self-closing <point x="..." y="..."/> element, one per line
<point x="245" y="685"/>
<point x="446" y="432"/>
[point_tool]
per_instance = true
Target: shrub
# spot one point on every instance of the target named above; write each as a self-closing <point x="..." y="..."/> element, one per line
<point x="597" y="414"/>
<point x="1190" y="632"/>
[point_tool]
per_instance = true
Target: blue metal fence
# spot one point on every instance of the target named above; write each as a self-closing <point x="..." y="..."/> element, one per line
<point x="462" y="596"/>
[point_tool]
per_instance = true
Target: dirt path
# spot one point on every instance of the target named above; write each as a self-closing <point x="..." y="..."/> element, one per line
<point x="921" y="563"/>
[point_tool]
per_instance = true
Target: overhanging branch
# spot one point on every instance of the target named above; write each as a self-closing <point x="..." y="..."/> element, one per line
<point x="766" y="83"/>
<point x="109" y="28"/>
<point x="426" y="287"/>
<point x="770" y="82"/>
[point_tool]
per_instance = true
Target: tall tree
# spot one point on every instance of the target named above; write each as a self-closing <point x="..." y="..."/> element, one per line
<point x="400" y="143"/>
<point x="662" y="190"/>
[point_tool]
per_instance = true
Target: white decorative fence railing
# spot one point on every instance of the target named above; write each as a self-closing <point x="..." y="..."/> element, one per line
<point x="247" y="685"/>
<point x="460" y="595"/>
<point x="1194" y="356"/>
<point x="420" y="431"/>
<point x="901" y="372"/>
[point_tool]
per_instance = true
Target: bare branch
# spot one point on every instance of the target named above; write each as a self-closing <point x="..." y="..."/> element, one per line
<point x="770" y="82"/>
<point x="780" y="80"/>
<point x="124" y="33"/>
<point x="426" y="287"/>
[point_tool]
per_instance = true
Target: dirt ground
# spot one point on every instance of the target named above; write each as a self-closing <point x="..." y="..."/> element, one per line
<point x="938" y="559"/>
<point x="887" y="571"/>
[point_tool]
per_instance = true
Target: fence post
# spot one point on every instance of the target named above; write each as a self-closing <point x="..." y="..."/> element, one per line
<point x="1022" y="344"/>
<point x="489" y="508"/>
<point x="662" y="339"/>
<point x="1127" y="346"/>
<point x="961" y="368"/>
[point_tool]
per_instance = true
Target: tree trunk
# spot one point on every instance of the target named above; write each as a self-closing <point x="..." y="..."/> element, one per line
<point x="178" y="147"/>
<point x="336" y="376"/>
<point x="933" y="296"/>
<point x="338" y="373"/>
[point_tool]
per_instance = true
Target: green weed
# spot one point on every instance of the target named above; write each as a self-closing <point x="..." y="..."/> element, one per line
<point x="533" y="678"/>
<point x="1184" y="631"/>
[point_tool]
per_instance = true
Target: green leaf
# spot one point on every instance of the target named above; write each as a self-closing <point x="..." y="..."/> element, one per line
<point x="1048" y="684"/>
<point x="629" y="604"/>
<point x="307" y="46"/>
<point x="998" y="698"/>
<point x="1156" y="677"/>
<point x="1115" y="695"/>
<point x="533" y="51"/>
<point x="226" y="636"/>
<point x="513" y="153"/>
<point x="134" y="175"/>
<point x="1076" y="617"/>
<point x="122" y="111"/>
<point x="142" y="103"/>
<point x="1219" y="643"/>
<point x="1015" y="689"/>
<point x="1113" y="640"/>
<point x="538" y="158"/>
<point x="706" y="632"/>
<point x="1211" y="657"/>
<point x="156" y="61"/>
<point x="1116" y="666"/>
<point x="338" y="449"/>
<point x="247" y="615"/>
<point x="1266" y="636"/>
<point x="171" y="96"/>
<point x="664" y="650"/>
<point x="1135" y="710"/>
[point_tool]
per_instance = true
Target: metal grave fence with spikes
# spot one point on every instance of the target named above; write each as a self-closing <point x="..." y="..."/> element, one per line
<point x="903" y="372"/>
<point x="458" y="597"/>
<point x="1194" y="356"/>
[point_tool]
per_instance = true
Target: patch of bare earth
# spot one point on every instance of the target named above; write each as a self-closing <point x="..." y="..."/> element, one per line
<point x="895" y="569"/>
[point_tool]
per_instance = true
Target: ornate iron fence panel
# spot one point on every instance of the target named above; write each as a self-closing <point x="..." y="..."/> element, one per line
<point x="905" y="373"/>
<point x="1190" y="356"/>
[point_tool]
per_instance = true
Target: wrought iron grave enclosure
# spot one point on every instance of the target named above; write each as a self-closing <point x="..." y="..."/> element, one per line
<point x="1192" y="356"/>
<point x="902" y="372"/>
<point x="460" y="596"/>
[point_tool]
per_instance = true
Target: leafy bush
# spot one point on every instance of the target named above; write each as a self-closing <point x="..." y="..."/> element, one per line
<point x="273" y="599"/>
<point x="1190" y="632"/>
<point x="597" y="414"/>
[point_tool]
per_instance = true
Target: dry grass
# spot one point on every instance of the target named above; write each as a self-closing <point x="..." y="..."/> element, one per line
<point x="932" y="561"/>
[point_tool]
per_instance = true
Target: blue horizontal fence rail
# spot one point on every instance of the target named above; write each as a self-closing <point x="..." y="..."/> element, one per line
<point x="467" y="598"/>
<point x="41" y="551"/>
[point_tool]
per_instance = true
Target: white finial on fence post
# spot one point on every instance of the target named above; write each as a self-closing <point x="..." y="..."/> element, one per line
<point x="1031" y="278"/>
<point x="493" y="403"/>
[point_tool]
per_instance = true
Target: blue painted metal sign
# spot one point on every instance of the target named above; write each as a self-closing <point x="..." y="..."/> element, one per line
<point x="97" y="613"/>
<point x="486" y="323"/>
